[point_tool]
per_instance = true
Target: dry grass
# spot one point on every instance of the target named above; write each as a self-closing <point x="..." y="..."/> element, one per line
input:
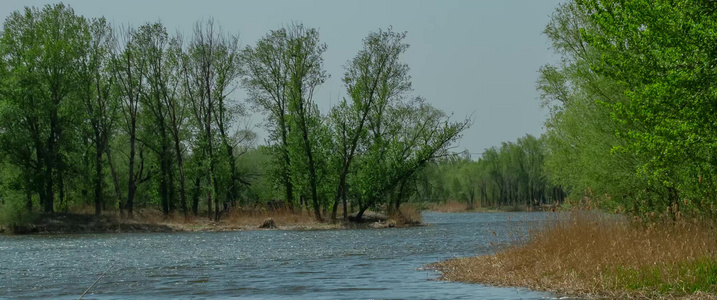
<point x="587" y="253"/>
<point x="234" y="219"/>
<point x="449" y="206"/>
<point x="81" y="219"/>
<point x="408" y="214"/>
<point x="282" y="217"/>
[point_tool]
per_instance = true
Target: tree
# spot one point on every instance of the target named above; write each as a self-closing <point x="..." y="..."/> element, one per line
<point x="43" y="50"/>
<point x="125" y="72"/>
<point x="304" y="65"/>
<point x="210" y="67"/>
<point x="97" y="94"/>
<point x="403" y="139"/>
<point x="374" y="79"/>
<point x="283" y="71"/>
<point x="661" y="53"/>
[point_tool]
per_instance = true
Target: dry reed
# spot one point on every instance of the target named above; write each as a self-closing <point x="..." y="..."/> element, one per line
<point x="230" y="219"/>
<point x="588" y="253"/>
<point x="408" y="214"/>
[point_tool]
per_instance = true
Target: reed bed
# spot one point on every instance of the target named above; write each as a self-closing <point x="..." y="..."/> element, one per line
<point x="587" y="253"/>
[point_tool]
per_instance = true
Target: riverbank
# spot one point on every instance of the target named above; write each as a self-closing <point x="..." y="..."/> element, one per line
<point x="595" y="255"/>
<point x="154" y="221"/>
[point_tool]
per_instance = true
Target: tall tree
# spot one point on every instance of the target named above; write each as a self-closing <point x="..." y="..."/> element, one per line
<point x="152" y="42"/>
<point x="129" y="80"/>
<point x="373" y="79"/>
<point x="211" y="70"/>
<point x="98" y="99"/>
<point x="404" y="138"/>
<point x="283" y="70"/>
<point x="304" y="64"/>
<point x="266" y="81"/>
<point x="44" y="49"/>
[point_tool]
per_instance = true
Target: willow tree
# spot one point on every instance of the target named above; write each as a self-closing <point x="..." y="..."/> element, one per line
<point x="374" y="79"/>
<point x="584" y="151"/>
<point x="125" y="62"/>
<point x="211" y="70"/>
<point x="662" y="53"/>
<point x="152" y="41"/>
<point x="304" y="65"/>
<point x="266" y="81"/>
<point x="283" y="71"/>
<point x="99" y="101"/>
<point x="403" y="139"/>
<point x="42" y="50"/>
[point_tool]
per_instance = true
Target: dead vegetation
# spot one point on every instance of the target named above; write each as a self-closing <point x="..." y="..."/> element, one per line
<point x="407" y="215"/>
<point x="593" y="254"/>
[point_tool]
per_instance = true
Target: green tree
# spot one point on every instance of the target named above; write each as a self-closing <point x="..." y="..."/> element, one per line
<point x="99" y="101"/>
<point x="374" y="79"/>
<point x="42" y="51"/>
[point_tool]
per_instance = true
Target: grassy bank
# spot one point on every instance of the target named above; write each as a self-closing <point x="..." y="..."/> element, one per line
<point x="591" y="254"/>
<point x="83" y="221"/>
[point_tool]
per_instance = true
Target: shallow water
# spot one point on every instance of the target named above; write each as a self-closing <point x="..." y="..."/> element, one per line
<point x="271" y="264"/>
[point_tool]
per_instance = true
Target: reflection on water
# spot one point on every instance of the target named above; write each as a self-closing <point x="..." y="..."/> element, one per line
<point x="332" y="264"/>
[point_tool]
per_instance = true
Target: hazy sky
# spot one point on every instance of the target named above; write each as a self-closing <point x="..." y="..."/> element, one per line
<point x="467" y="57"/>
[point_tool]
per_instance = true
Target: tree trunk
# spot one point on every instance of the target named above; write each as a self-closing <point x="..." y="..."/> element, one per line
<point x="115" y="180"/>
<point x="195" y="197"/>
<point x="98" y="173"/>
<point x="182" y="184"/>
<point x="131" y="181"/>
<point x="209" y="206"/>
<point x="233" y="192"/>
<point x="163" y="193"/>
<point x="49" y="204"/>
<point x="343" y="199"/>
<point x="61" y="187"/>
<point x="339" y="195"/>
<point x="287" y="160"/>
<point x="28" y="199"/>
<point x="359" y="215"/>
<point x="312" y="181"/>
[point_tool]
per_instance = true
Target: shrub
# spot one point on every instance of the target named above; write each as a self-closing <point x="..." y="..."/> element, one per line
<point x="14" y="215"/>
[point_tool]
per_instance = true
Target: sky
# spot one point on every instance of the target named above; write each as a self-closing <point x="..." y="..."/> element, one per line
<point x="475" y="58"/>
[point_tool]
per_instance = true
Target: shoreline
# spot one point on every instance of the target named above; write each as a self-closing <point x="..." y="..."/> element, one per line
<point x="70" y="223"/>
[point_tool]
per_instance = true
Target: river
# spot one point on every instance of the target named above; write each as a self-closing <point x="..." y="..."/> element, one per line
<point x="262" y="264"/>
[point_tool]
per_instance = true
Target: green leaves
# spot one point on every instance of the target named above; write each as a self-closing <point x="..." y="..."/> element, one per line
<point x="635" y="110"/>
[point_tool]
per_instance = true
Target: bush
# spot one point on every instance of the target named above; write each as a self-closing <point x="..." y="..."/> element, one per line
<point x="14" y="216"/>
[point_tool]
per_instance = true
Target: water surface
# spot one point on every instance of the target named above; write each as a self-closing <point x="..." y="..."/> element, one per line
<point x="271" y="264"/>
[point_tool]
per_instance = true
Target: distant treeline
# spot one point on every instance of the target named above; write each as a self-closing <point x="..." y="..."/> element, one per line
<point x="510" y="175"/>
<point x="128" y="117"/>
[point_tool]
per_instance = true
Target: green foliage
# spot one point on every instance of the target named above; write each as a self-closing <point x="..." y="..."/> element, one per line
<point x="136" y="117"/>
<point x="507" y="176"/>
<point x="14" y="212"/>
<point x="631" y="104"/>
